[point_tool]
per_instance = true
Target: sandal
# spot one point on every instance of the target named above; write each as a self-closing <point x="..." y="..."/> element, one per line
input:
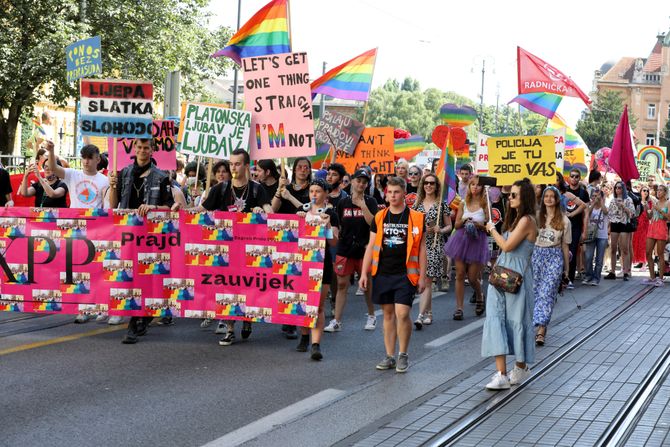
<point x="479" y="307"/>
<point x="539" y="337"/>
<point x="458" y="315"/>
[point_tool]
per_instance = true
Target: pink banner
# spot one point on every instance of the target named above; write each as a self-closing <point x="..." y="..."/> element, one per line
<point x="278" y="94"/>
<point x="163" y="133"/>
<point x="197" y="265"/>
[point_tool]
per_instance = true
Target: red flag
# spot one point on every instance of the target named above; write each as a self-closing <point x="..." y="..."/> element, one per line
<point x="536" y="75"/>
<point x="621" y="158"/>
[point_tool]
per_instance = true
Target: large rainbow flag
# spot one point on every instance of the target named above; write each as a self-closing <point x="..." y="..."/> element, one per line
<point x="408" y="148"/>
<point x="572" y="138"/>
<point x="542" y="103"/>
<point x="351" y="80"/>
<point x="265" y="33"/>
<point x="446" y="171"/>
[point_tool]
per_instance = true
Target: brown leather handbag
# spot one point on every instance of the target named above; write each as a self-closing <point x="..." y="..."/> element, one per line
<point x="505" y="280"/>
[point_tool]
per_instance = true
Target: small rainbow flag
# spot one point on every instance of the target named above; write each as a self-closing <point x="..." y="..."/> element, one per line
<point x="73" y="233"/>
<point x="316" y="255"/>
<point x="572" y="138"/>
<point x="282" y="236"/>
<point x="11" y="307"/>
<point x="131" y="220"/>
<point x="74" y="288"/>
<point x="265" y="33"/>
<point x="542" y="103"/>
<point x="93" y="212"/>
<point x="159" y="312"/>
<point x="163" y="227"/>
<point x="125" y="304"/>
<point x="154" y="269"/>
<point x="106" y="255"/>
<point x="251" y="218"/>
<point x="446" y="171"/>
<point x="314" y="286"/>
<point x="217" y="234"/>
<point x="43" y="246"/>
<point x="179" y="294"/>
<point x="291" y="309"/>
<point x="408" y="148"/>
<point x="292" y="269"/>
<point x="44" y="215"/>
<point x="117" y="276"/>
<point x="199" y="219"/>
<point x="259" y="261"/>
<point x="350" y="80"/>
<point x="322" y="154"/>
<point x="229" y="310"/>
<point x="11" y="232"/>
<point x="47" y="306"/>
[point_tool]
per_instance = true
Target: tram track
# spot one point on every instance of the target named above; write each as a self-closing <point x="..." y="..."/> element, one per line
<point x="620" y="427"/>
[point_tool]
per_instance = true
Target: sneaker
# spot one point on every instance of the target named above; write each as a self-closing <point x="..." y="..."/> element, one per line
<point x="518" y="375"/>
<point x="649" y="281"/>
<point x="610" y="275"/>
<point x="403" y="363"/>
<point x="360" y="292"/>
<point x="246" y="330"/>
<point x="498" y="382"/>
<point x="333" y="326"/>
<point x="129" y="339"/>
<point x="418" y="323"/>
<point x="101" y="317"/>
<point x="387" y="363"/>
<point x="228" y="339"/>
<point x="205" y="323"/>
<point x="316" y="352"/>
<point x="595" y="282"/>
<point x="371" y="323"/>
<point x="444" y="284"/>
<point x="659" y="282"/>
<point x="428" y="318"/>
<point x="115" y="320"/>
<point x="303" y="343"/>
<point x="586" y="281"/>
<point x="81" y="318"/>
<point x="570" y="286"/>
<point x="221" y="328"/>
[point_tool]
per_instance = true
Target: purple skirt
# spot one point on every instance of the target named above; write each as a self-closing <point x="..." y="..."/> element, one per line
<point x="461" y="247"/>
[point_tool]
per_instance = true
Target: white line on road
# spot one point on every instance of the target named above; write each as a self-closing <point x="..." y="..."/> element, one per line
<point x="456" y="334"/>
<point x="267" y="423"/>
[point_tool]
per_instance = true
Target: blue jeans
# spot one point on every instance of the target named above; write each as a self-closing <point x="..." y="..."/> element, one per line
<point x="598" y="246"/>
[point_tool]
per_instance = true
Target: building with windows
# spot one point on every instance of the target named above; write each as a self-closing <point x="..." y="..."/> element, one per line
<point x="644" y="85"/>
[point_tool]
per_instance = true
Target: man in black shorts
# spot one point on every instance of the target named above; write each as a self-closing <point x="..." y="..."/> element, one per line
<point x="397" y="254"/>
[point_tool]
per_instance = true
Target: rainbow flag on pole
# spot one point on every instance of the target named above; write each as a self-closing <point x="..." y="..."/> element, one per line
<point x="446" y="171"/>
<point x="351" y="80"/>
<point x="265" y="33"/>
<point x="542" y="103"/>
<point x="408" y="148"/>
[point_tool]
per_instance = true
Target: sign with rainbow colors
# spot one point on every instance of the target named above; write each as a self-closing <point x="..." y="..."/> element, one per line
<point x="655" y="155"/>
<point x="220" y="265"/>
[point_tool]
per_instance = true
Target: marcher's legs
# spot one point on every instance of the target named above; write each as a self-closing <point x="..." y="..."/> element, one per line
<point x="317" y="331"/>
<point x="390" y="333"/>
<point x="426" y="300"/>
<point x="588" y="258"/>
<point x="574" y="246"/>
<point x="660" y="251"/>
<point x="460" y="283"/>
<point x="403" y="326"/>
<point x="614" y="239"/>
<point x="341" y="297"/>
<point x="624" y="246"/>
<point x="651" y="243"/>
<point x="601" y="248"/>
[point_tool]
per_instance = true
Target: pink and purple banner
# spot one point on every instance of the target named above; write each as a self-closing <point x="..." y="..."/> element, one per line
<point x="164" y="135"/>
<point x="217" y="265"/>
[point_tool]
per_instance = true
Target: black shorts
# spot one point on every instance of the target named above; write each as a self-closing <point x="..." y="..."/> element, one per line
<point x="327" y="273"/>
<point x="392" y="289"/>
<point x="617" y="227"/>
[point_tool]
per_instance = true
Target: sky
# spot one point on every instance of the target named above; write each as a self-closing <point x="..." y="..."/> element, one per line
<point x="443" y="44"/>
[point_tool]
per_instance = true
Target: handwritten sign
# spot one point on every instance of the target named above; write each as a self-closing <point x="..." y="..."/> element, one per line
<point x="213" y="131"/>
<point x="278" y="93"/>
<point x="115" y="108"/>
<point x="559" y="140"/>
<point x="646" y="170"/>
<point x="374" y="149"/>
<point x="343" y="130"/>
<point x="513" y="158"/>
<point x="482" y="155"/>
<point x="165" y="152"/>
<point x="575" y="159"/>
<point x="83" y="59"/>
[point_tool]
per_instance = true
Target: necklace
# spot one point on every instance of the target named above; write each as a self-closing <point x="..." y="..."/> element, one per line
<point x="240" y="201"/>
<point x="138" y="189"/>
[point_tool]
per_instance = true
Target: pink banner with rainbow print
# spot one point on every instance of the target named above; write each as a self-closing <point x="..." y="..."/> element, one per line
<point x="216" y="265"/>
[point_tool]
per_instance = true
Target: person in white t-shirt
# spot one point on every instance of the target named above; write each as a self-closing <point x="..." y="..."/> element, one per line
<point x="86" y="187"/>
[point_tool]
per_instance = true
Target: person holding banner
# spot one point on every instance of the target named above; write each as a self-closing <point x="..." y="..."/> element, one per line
<point x="508" y="328"/>
<point x="397" y="254"/>
<point x="267" y="175"/>
<point x="49" y="191"/>
<point x="144" y="187"/>
<point x="290" y="197"/>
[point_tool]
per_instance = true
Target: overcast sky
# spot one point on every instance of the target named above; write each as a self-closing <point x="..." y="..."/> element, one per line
<point x="443" y="43"/>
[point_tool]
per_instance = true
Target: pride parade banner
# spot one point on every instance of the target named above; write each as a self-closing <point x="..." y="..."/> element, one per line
<point x="213" y="131"/>
<point x="116" y="108"/>
<point x="374" y="149"/>
<point x="339" y="129"/>
<point x="83" y="58"/>
<point x="482" y="155"/>
<point x="278" y="93"/>
<point x="165" y="154"/>
<point x="513" y="158"/>
<point x="254" y="267"/>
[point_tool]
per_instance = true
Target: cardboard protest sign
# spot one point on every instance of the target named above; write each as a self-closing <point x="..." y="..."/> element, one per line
<point x="646" y="170"/>
<point x="513" y="158"/>
<point x="117" y="109"/>
<point x="216" y="265"/>
<point x="559" y="140"/>
<point x="213" y="131"/>
<point x="374" y="149"/>
<point x="340" y="129"/>
<point x="656" y="155"/>
<point x="165" y="154"/>
<point x="482" y="155"/>
<point x="83" y="59"/>
<point x="575" y="158"/>
<point x="278" y="93"/>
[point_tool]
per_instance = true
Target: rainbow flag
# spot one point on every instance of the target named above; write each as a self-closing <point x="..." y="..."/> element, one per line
<point x="572" y="138"/>
<point x="408" y="148"/>
<point x="322" y="154"/>
<point x="265" y="33"/>
<point x="446" y="171"/>
<point x="351" y="80"/>
<point x="542" y="103"/>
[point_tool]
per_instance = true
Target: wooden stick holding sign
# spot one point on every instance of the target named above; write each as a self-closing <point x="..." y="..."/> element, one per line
<point x="209" y="177"/>
<point x="198" y="160"/>
<point x="114" y="161"/>
<point x="333" y="148"/>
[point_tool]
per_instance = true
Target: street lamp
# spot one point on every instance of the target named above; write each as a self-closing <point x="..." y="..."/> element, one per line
<point x="475" y="61"/>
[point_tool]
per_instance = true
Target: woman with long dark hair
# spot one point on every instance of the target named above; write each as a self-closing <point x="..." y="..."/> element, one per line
<point x="290" y="197"/>
<point x="640" y="235"/>
<point x="620" y="212"/>
<point x="508" y="329"/>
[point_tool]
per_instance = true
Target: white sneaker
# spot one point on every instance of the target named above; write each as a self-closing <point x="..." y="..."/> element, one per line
<point x="333" y="326"/>
<point x="81" y="318"/>
<point x="359" y="292"/>
<point x="221" y="328"/>
<point x="428" y="317"/>
<point x="205" y="323"/>
<point x="659" y="282"/>
<point x="101" y="317"/>
<point x="649" y="281"/>
<point x="371" y="323"/>
<point x="499" y="382"/>
<point x="518" y="375"/>
<point x="570" y="286"/>
<point x="115" y="320"/>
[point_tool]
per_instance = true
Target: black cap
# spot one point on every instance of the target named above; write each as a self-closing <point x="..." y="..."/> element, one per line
<point x="361" y="172"/>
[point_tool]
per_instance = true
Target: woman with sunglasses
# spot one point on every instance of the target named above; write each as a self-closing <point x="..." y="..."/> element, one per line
<point x="413" y="179"/>
<point x="469" y="246"/>
<point x="620" y="211"/>
<point x="640" y="235"/>
<point x="508" y="328"/>
<point x="437" y="227"/>
<point x="657" y="234"/>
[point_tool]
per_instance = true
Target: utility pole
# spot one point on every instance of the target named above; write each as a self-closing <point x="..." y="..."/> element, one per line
<point x="239" y="18"/>
<point x="481" y="97"/>
<point x="497" y="106"/>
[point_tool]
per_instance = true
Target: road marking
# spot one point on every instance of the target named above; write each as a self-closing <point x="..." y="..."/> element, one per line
<point x="455" y="334"/>
<point x="63" y="339"/>
<point x="267" y="423"/>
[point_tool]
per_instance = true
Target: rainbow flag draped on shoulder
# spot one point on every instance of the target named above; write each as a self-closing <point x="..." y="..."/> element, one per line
<point x="265" y="33"/>
<point x="350" y="80"/>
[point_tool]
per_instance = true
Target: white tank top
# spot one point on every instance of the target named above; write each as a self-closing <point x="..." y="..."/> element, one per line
<point x="477" y="216"/>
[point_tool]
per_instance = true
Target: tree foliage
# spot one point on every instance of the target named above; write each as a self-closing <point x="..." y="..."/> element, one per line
<point x="140" y="40"/>
<point x="665" y="135"/>
<point x="597" y="126"/>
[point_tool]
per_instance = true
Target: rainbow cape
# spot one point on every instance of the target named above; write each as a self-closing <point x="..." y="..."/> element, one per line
<point x="265" y="33"/>
<point x="351" y="80"/>
<point x="541" y="103"/>
<point x="408" y="148"/>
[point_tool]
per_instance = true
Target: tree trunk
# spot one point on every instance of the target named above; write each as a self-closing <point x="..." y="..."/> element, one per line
<point x="8" y="129"/>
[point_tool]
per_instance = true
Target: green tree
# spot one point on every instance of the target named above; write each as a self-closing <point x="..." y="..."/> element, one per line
<point x="665" y="135"/>
<point x="140" y="40"/>
<point x="597" y="126"/>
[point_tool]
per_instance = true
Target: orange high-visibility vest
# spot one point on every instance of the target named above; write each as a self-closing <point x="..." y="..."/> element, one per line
<point x="414" y="236"/>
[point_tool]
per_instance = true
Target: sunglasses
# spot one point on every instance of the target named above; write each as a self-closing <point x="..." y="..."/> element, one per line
<point x="645" y="190"/>
<point x="414" y="173"/>
<point x="575" y="176"/>
<point x="513" y="195"/>
<point x="429" y="183"/>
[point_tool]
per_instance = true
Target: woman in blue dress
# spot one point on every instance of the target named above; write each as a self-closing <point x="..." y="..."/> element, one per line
<point x="508" y="329"/>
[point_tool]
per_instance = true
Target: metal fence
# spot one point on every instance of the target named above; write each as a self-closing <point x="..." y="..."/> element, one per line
<point x="16" y="164"/>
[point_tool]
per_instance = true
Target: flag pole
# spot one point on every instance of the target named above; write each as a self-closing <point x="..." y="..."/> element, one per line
<point x="235" y="69"/>
<point x="288" y="19"/>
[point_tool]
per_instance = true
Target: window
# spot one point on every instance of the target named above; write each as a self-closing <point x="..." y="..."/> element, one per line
<point x="651" y="111"/>
<point x="651" y="139"/>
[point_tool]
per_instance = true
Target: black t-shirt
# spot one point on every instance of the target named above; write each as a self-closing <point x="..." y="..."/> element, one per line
<point x="301" y="195"/>
<point x="220" y="199"/>
<point x="578" y="220"/>
<point x="5" y="186"/>
<point x="334" y="222"/>
<point x="334" y="201"/>
<point x="44" y="201"/>
<point x="394" y="243"/>
<point x="270" y="190"/>
<point x="410" y="197"/>
<point x="354" y="230"/>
